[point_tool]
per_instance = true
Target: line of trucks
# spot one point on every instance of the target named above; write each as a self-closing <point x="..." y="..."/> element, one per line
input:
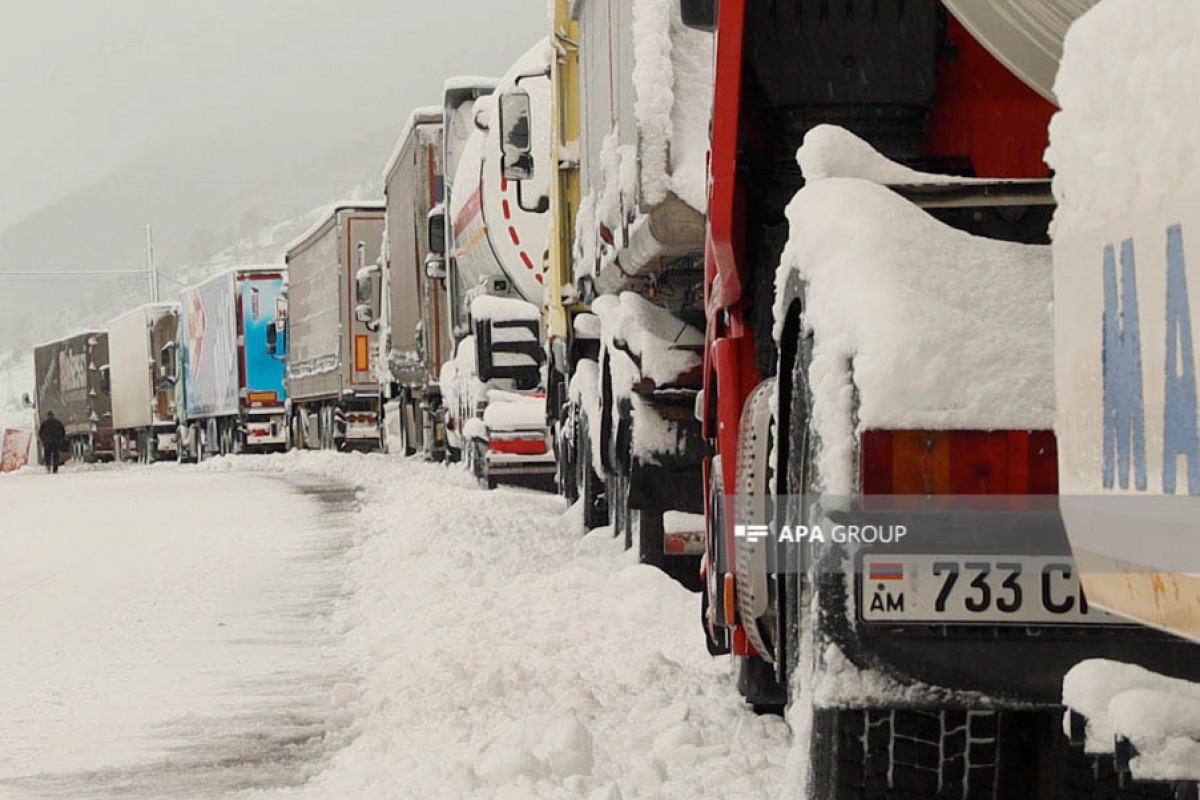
<point x="711" y="267"/>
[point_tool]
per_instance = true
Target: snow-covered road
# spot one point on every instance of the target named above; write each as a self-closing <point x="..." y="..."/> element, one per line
<point x="255" y="627"/>
<point x="161" y="632"/>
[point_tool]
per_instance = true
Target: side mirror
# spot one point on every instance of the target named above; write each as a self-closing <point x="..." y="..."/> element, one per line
<point x="166" y="360"/>
<point x="272" y="340"/>
<point x="106" y="380"/>
<point x="437" y="231"/>
<point x="26" y="401"/>
<point x="368" y="282"/>
<point x="435" y="267"/>
<point x="700" y="14"/>
<point x="516" y="135"/>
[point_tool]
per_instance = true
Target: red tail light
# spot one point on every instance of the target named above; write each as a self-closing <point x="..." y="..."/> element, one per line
<point x="519" y="447"/>
<point x="958" y="462"/>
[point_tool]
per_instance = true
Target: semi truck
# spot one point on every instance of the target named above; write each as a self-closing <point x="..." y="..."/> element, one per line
<point x="496" y="219"/>
<point x="143" y="367"/>
<point x="459" y="98"/>
<point x="231" y="394"/>
<point x="333" y="397"/>
<point x="624" y="307"/>
<point x="879" y="351"/>
<point x="1125" y="256"/>
<point x="404" y="296"/>
<point x="73" y="381"/>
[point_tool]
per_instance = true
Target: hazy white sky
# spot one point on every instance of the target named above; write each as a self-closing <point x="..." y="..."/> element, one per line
<point x="87" y="85"/>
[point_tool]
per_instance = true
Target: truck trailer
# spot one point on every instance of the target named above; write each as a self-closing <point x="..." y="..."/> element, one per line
<point x="404" y="297"/>
<point x="879" y="350"/>
<point x="1125" y="267"/>
<point x="73" y="381"/>
<point x="231" y="395"/>
<point x="625" y="314"/>
<point x="143" y="368"/>
<point x="333" y="396"/>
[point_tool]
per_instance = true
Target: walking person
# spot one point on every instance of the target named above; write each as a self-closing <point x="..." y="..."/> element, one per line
<point x="53" y="437"/>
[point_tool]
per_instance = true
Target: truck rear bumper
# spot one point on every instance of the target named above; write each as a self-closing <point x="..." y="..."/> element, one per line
<point x="1010" y="666"/>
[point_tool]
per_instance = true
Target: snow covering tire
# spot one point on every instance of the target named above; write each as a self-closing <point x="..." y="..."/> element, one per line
<point x="591" y="489"/>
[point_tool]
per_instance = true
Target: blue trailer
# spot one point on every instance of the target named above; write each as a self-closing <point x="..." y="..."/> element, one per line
<point x="233" y="352"/>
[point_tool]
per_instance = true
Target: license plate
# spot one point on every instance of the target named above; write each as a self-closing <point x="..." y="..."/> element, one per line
<point x="974" y="588"/>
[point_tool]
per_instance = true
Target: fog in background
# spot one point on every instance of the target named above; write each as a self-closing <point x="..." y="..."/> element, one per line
<point x="222" y="122"/>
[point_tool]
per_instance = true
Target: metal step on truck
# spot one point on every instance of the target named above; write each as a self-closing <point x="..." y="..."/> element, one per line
<point x="143" y="367"/>
<point x="231" y="393"/>
<point x="886" y="556"/>
<point x="404" y="297"/>
<point x="625" y="297"/>
<point x="333" y="398"/>
<point x="72" y="380"/>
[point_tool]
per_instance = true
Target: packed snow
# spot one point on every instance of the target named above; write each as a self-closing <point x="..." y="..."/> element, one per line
<point x="151" y="634"/>
<point x="915" y="324"/>
<point x="673" y="79"/>
<point x="468" y="643"/>
<point x="1128" y="139"/>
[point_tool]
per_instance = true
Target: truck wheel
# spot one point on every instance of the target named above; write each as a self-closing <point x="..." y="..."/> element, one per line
<point x="565" y="467"/>
<point x="902" y="754"/>
<point x="591" y="488"/>
<point x="405" y="445"/>
<point x="479" y="464"/>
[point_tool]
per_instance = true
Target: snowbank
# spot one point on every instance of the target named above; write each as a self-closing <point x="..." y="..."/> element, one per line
<point x="1128" y="138"/>
<point x="915" y="324"/>
<point x="501" y="655"/>
<point x="1160" y="716"/>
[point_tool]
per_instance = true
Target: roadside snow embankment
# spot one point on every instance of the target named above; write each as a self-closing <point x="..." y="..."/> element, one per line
<point x="504" y="654"/>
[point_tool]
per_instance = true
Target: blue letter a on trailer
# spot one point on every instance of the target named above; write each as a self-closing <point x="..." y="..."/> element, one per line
<point x="1124" y="412"/>
<point x="1179" y="425"/>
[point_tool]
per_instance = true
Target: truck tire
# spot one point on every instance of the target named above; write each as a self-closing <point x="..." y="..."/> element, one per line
<point x="903" y="754"/>
<point x="591" y="488"/>
<point x="405" y="448"/>
<point x="566" y="468"/>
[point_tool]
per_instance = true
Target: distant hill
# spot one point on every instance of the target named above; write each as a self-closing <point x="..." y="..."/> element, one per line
<point x="212" y="205"/>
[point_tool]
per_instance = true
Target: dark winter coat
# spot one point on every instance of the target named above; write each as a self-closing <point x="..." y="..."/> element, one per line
<point x="53" y="434"/>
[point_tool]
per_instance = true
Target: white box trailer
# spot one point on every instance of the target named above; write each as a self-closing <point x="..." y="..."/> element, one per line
<point x="143" y="373"/>
<point x="332" y="390"/>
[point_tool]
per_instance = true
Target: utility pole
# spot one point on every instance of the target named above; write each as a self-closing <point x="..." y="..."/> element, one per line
<point x="151" y="269"/>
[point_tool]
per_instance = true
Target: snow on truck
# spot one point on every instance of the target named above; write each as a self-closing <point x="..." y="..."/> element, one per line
<point x="142" y="363"/>
<point x="231" y="394"/>
<point x="333" y="395"/>
<point x="496" y="223"/>
<point x="404" y="297"/>
<point x="625" y="309"/>
<point x="878" y="363"/>
<point x="72" y="380"/>
<point x="1124" y="150"/>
